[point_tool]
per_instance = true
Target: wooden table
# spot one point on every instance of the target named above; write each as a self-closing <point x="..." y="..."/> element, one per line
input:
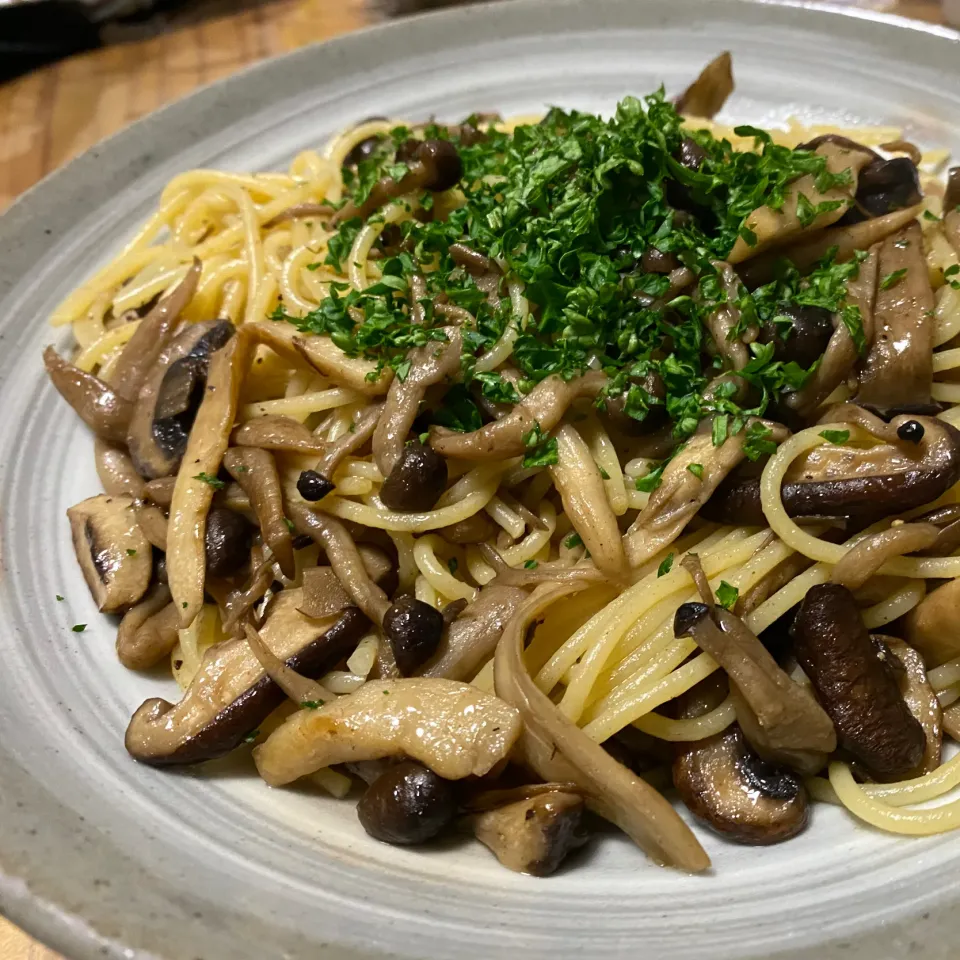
<point x="50" y="116"/>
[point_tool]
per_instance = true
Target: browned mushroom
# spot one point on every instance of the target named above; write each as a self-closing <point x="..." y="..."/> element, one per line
<point x="168" y="400"/>
<point x="256" y="472"/>
<point x="323" y="594"/>
<point x="274" y="432"/>
<point x="148" y="631"/>
<point x="116" y="470"/>
<point x="727" y="786"/>
<point x="921" y="701"/>
<point x="100" y="407"/>
<point x="231" y="693"/>
<point x="723" y="319"/>
<point x="857" y="689"/>
<point x="707" y="94"/>
<point x="112" y="551"/>
<point x="898" y="371"/>
<point x="779" y="718"/>
<point x="856" y="482"/>
<point x="542" y="408"/>
<point x="151" y="336"/>
<point x="533" y="835"/>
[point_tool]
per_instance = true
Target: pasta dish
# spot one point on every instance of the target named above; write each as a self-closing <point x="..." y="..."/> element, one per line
<point x="508" y="474"/>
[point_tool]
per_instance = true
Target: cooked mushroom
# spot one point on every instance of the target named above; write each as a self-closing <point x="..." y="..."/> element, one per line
<point x="256" y="472"/>
<point x="805" y="340"/>
<point x="931" y="626"/>
<point x="274" y="432"/>
<point x="707" y="94"/>
<point x="951" y="196"/>
<point x="454" y="729"/>
<point x="856" y="482"/>
<point x="417" y="479"/>
<point x="921" y="701"/>
<point x="775" y="228"/>
<point x="323" y="594"/>
<point x="863" y="560"/>
<point x="414" y="630"/>
<point x="112" y="551"/>
<point x="723" y="319"/>
<point x="116" y="471"/>
<point x="226" y="541"/>
<point x="100" y="407"/>
<point x="231" y="694"/>
<point x="558" y="750"/>
<point x="151" y="336"/>
<point x="474" y="529"/>
<point x="779" y="718"/>
<point x="543" y="407"/>
<point x="407" y="804"/>
<point x="157" y="436"/>
<point x="898" y="371"/>
<point x="533" y="835"/>
<point x="856" y="688"/>
<point x="885" y="186"/>
<point x="148" y="631"/>
<point x="648" y="393"/>
<point x="472" y="638"/>
<point x="326" y="357"/>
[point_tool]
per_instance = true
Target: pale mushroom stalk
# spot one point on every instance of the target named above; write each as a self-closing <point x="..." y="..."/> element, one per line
<point x="299" y="689"/>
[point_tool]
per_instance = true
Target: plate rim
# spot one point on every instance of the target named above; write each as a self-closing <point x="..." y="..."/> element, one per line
<point x="53" y="923"/>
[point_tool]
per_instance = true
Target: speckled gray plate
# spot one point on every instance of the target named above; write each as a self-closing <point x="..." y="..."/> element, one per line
<point x="101" y="857"/>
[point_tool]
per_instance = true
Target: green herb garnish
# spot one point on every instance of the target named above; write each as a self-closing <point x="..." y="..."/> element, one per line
<point x="727" y="595"/>
<point x="79" y="627"/>
<point x="696" y="469"/>
<point x="665" y="565"/>
<point x="835" y="436"/>
<point x="892" y="279"/>
<point x="214" y="482"/>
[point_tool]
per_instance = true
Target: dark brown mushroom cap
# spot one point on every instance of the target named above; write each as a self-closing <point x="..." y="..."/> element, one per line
<point x="866" y="493"/>
<point x="805" y="340"/>
<point x="220" y="727"/>
<point x="951" y="198"/>
<point x="414" y="630"/>
<point x="650" y="388"/>
<point x="407" y="804"/>
<point x="884" y="186"/>
<point x="227" y="541"/>
<point x="857" y="689"/>
<point x="417" y="479"/>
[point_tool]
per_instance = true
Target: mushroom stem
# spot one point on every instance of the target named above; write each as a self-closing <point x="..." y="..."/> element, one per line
<point x="867" y="556"/>
<point x="299" y="689"/>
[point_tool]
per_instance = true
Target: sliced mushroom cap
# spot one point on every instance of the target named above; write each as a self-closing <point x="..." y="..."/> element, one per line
<point x="113" y="553"/>
<point x="932" y="626"/>
<point x="100" y="407"/>
<point x="170" y="396"/>
<point x="454" y="729"/>
<point x="231" y="694"/>
<point x="148" y="631"/>
<point x="857" y="689"/>
<point x="856" y="482"/>
<point x="727" y="786"/>
<point x="921" y="701"/>
<point x="533" y="835"/>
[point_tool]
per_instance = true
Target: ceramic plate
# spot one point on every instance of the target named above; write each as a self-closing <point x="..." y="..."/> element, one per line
<point x="102" y="857"/>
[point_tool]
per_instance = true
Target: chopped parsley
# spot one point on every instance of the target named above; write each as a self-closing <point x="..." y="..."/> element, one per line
<point x="808" y="212"/>
<point x="574" y="540"/>
<point x="727" y="595"/>
<point x="892" y="279"/>
<point x="79" y="627"/>
<point x="603" y="473"/>
<point x="652" y="480"/>
<point x="59" y="598"/>
<point x="665" y="565"/>
<point x="531" y="565"/>
<point x="312" y="704"/>
<point x="696" y="469"/>
<point x="835" y="436"/>
<point x="949" y="273"/>
<point x="288" y="523"/>
<point x="131" y="552"/>
<point x="452" y="564"/>
<point x="214" y="482"/>
<point x="758" y="442"/>
<point x="252" y="736"/>
<point x="543" y="448"/>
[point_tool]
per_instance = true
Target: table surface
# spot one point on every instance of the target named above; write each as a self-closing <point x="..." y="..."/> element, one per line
<point x="55" y="113"/>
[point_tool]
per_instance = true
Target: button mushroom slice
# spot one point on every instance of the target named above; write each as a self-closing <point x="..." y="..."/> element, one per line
<point x="580" y="484"/>
<point x="775" y="228"/>
<point x="453" y="728"/>
<point x="722" y="320"/>
<point x="932" y="627"/>
<point x="921" y="701"/>
<point x="534" y="835"/>
<point x="275" y="432"/>
<point x="429" y="365"/>
<point x="707" y="94"/>
<point x="100" y="407"/>
<point x="256" y="472"/>
<point x="151" y="336"/>
<point x="781" y="720"/>
<point x="326" y="357"/>
<point x="112" y="551"/>
<point x="858" y="691"/>
<point x="116" y="470"/>
<point x="846" y="241"/>
<point x="192" y="495"/>
<point x="559" y="750"/>
<point x="727" y="786"/>
<point x="472" y="638"/>
<point x="897" y="373"/>
<point x="148" y="631"/>
<point x="841" y="354"/>
<point x="231" y="694"/>
<point x="543" y="407"/>
<point x="156" y="448"/>
<point x="682" y="492"/>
